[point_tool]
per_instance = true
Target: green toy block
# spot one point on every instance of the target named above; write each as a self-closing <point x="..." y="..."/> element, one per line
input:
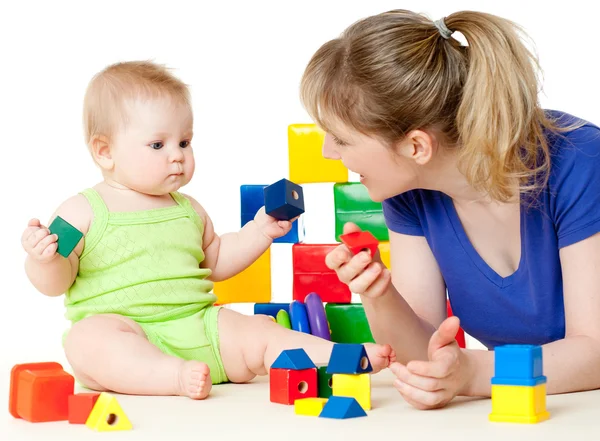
<point x="353" y="204"/>
<point x="325" y="390"/>
<point x="68" y="235"/>
<point x="348" y="323"/>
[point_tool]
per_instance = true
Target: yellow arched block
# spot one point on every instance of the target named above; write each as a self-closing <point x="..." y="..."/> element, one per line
<point x="384" y="252"/>
<point x="306" y="161"/>
<point x="107" y="415"/>
<point x="309" y="406"/>
<point x="519" y="404"/>
<point x="357" y="386"/>
<point x="253" y="285"/>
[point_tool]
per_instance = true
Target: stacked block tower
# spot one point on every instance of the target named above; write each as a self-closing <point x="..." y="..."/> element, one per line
<point x="346" y="321"/>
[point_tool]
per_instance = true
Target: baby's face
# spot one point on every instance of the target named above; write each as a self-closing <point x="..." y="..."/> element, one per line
<point x="153" y="152"/>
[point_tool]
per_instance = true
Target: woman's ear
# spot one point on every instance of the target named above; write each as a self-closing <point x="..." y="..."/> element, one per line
<point x="100" y="147"/>
<point x="418" y="145"/>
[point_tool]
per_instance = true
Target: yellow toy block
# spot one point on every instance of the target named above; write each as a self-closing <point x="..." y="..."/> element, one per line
<point x="307" y="164"/>
<point x="309" y="406"/>
<point x="384" y="252"/>
<point x="107" y="415"/>
<point x="519" y="404"/>
<point x="357" y="386"/>
<point x="253" y="285"/>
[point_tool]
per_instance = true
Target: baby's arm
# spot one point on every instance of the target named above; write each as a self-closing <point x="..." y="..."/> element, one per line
<point x="49" y="272"/>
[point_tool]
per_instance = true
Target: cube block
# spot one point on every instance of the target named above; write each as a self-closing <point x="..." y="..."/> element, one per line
<point x="353" y="204"/>
<point x="286" y="385"/>
<point x="80" y="406"/>
<point x="357" y="386"/>
<point x="348" y="323"/>
<point x="284" y="200"/>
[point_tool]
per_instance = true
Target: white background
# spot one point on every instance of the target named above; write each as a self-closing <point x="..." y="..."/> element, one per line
<point x="243" y="61"/>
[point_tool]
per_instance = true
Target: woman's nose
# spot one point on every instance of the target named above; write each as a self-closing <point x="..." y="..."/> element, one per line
<point x="329" y="148"/>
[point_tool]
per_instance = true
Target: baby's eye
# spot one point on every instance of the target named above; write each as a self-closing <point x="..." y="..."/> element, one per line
<point x="184" y="144"/>
<point x="156" y="145"/>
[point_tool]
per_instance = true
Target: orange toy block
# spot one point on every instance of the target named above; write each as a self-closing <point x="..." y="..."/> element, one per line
<point x="39" y="392"/>
<point x="80" y="406"/>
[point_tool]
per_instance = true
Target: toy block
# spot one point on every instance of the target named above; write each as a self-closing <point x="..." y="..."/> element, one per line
<point x="519" y="404"/>
<point x="342" y="408"/>
<point x="353" y="204"/>
<point x="107" y="415"/>
<point x="349" y="359"/>
<point x="287" y="385"/>
<point x="325" y="389"/>
<point x="284" y="200"/>
<point x="295" y="359"/>
<point x="311" y="274"/>
<point x="348" y="323"/>
<point x="80" y="406"/>
<point x="460" y="335"/>
<point x="309" y="406"/>
<point x="39" y="392"/>
<point x="283" y="318"/>
<point x="252" y="199"/>
<point x="384" y="253"/>
<point x="306" y="161"/>
<point x="518" y="365"/>
<point x="68" y="235"/>
<point x="316" y="316"/>
<point x="360" y="241"/>
<point x="299" y="317"/>
<point x="357" y="386"/>
<point x="253" y="285"/>
<point x="270" y="308"/>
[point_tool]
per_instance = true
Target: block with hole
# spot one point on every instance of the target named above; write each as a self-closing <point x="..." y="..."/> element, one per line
<point x="288" y="385"/>
<point x="252" y="199"/>
<point x="257" y="276"/>
<point x="347" y="358"/>
<point x="316" y="316"/>
<point x="348" y="323"/>
<point x="81" y="405"/>
<point x="360" y="241"/>
<point x="39" y="392"/>
<point x="68" y="235"/>
<point x="306" y="161"/>
<point x="284" y="200"/>
<point x="353" y="385"/>
<point x="342" y="408"/>
<point x="107" y="415"/>
<point x="353" y="204"/>
<point x="309" y="406"/>
<point x="325" y="382"/>
<point x="311" y="274"/>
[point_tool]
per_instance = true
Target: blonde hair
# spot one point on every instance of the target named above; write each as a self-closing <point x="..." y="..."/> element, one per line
<point x="110" y="89"/>
<point x="394" y="72"/>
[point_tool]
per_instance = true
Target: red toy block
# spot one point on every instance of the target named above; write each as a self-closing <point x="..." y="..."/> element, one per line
<point x="312" y="275"/>
<point x="39" y="392"/>
<point x="359" y="241"/>
<point x="288" y="385"/>
<point x="80" y="406"/>
<point x="460" y="335"/>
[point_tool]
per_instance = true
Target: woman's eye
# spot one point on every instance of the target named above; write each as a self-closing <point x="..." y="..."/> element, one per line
<point x="184" y="144"/>
<point x="156" y="145"/>
<point x="339" y="142"/>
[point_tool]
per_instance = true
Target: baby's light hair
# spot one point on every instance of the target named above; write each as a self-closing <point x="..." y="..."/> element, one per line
<point x="109" y="90"/>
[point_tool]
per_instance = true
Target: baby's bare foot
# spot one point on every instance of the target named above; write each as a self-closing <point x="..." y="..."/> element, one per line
<point x="380" y="356"/>
<point x="194" y="380"/>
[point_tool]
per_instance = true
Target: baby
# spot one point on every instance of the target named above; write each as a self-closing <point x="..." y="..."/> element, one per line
<point x="138" y="287"/>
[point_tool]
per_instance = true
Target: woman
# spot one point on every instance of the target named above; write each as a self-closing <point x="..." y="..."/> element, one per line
<point x="485" y="194"/>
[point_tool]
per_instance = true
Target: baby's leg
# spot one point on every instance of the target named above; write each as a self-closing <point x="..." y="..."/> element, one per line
<point x="250" y="345"/>
<point x="111" y="352"/>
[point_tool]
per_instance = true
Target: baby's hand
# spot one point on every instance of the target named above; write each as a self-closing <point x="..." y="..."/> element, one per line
<point x="38" y="242"/>
<point x="271" y="227"/>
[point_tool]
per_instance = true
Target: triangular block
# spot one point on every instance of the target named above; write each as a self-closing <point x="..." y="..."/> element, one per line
<point x="349" y="359"/>
<point x="342" y="408"/>
<point x="107" y="415"/>
<point x="295" y="359"/>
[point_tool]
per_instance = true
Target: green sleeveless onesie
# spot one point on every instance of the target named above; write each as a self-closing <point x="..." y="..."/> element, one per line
<point x="144" y="265"/>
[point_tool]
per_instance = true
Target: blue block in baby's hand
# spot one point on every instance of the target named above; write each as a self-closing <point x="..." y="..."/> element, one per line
<point x="284" y="200"/>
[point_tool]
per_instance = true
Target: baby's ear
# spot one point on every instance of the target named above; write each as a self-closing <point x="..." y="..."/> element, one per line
<point x="100" y="148"/>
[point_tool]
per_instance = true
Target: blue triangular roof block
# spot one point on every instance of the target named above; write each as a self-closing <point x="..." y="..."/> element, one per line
<point x="295" y="359"/>
<point x="342" y="408"/>
<point x="347" y="358"/>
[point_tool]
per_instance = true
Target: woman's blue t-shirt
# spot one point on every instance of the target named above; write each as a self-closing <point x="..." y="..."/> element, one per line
<point x="527" y="306"/>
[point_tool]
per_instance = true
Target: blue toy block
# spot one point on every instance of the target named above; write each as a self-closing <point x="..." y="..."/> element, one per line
<point x="348" y="358"/>
<point x="271" y="308"/>
<point x="299" y="317"/>
<point x="293" y="359"/>
<point x="252" y="199"/>
<point x="284" y="200"/>
<point x="342" y="408"/>
<point x="518" y="365"/>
